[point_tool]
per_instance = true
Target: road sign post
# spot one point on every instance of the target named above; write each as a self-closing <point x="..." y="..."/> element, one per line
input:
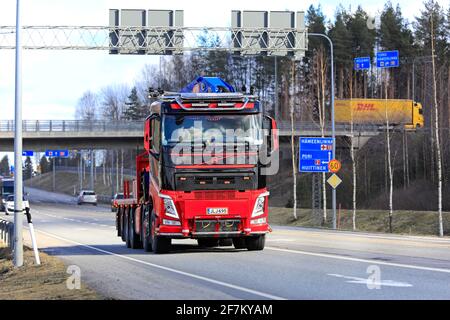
<point x="18" y="191"/>
<point x="55" y="154"/>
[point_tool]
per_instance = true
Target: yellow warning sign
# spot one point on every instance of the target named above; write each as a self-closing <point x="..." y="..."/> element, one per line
<point x="334" y="181"/>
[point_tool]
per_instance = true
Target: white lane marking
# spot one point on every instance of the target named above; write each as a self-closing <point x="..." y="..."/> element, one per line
<point x="187" y="274"/>
<point x="369" y="282"/>
<point x="371" y="261"/>
<point x="364" y="235"/>
<point x="281" y="240"/>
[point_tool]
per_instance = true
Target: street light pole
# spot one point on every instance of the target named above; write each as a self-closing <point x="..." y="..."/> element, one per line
<point x="333" y="129"/>
<point x="18" y="188"/>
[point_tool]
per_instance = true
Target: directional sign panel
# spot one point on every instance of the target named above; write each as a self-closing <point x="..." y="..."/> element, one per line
<point x="388" y="59"/>
<point x="27" y="153"/>
<point x="315" y="153"/>
<point x="57" y="153"/>
<point x="362" y="63"/>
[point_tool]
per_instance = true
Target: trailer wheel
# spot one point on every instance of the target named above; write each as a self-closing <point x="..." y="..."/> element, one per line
<point x="239" y="243"/>
<point x="208" y="242"/>
<point x="134" y="240"/>
<point x="146" y="239"/>
<point x="255" y="243"/>
<point x="159" y="244"/>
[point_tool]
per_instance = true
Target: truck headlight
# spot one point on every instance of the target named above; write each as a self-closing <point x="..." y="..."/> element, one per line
<point x="258" y="209"/>
<point x="169" y="207"/>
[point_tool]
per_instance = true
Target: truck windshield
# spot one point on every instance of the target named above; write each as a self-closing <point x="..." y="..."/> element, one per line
<point x="8" y="189"/>
<point x="208" y="129"/>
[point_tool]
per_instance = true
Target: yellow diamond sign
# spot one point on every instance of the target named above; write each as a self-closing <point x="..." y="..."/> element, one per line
<point x="334" y="181"/>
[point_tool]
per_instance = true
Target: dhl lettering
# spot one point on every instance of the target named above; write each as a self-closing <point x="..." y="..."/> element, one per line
<point x="365" y="107"/>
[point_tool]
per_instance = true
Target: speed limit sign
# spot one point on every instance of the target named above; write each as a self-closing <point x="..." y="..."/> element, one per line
<point x="334" y="166"/>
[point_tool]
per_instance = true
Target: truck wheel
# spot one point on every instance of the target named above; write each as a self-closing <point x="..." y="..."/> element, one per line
<point x="123" y="227"/>
<point x="208" y="242"/>
<point x="239" y="243"/>
<point x="126" y="228"/>
<point x="159" y="244"/>
<point x="146" y="239"/>
<point x="255" y="243"/>
<point x="134" y="240"/>
<point x="119" y="231"/>
<point x="226" y="242"/>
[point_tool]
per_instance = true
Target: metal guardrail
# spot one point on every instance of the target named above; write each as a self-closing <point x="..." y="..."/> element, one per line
<point x="7" y="232"/>
<point x="72" y="125"/>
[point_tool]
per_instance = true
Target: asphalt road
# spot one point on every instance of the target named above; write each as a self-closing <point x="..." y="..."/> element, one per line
<point x="297" y="263"/>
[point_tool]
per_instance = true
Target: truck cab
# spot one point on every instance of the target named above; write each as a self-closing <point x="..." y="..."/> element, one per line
<point x="203" y="172"/>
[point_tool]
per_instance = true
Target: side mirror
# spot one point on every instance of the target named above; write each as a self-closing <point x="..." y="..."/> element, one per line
<point x="270" y="125"/>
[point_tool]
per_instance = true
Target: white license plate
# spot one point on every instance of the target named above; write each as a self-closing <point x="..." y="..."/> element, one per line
<point x="216" y="211"/>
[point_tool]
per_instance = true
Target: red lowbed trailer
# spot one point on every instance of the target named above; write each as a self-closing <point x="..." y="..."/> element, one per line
<point x="193" y="183"/>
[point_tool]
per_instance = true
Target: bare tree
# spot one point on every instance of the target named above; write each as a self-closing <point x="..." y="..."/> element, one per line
<point x="113" y="101"/>
<point x="389" y="158"/>
<point x="87" y="106"/>
<point x="436" y="130"/>
<point x="353" y="158"/>
<point x="294" y="171"/>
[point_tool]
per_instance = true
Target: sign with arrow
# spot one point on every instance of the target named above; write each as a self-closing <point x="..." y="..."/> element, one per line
<point x="315" y="154"/>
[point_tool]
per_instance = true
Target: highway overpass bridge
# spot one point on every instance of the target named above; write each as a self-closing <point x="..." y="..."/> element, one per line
<point x="39" y="135"/>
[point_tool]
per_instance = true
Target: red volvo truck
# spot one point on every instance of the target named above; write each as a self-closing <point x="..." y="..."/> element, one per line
<point x="203" y="172"/>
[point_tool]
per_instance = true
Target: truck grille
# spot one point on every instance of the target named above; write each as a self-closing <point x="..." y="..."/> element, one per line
<point x="222" y="195"/>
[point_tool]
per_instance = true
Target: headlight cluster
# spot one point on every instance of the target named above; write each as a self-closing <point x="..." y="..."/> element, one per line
<point x="258" y="209"/>
<point x="169" y="207"/>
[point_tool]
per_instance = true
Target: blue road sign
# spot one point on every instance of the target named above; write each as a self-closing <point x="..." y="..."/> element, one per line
<point x="388" y="59"/>
<point x="315" y="153"/>
<point x="57" y="153"/>
<point x="362" y="63"/>
<point x="27" y="153"/>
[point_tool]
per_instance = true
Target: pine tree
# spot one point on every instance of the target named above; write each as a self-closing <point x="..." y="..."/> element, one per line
<point x="28" y="169"/>
<point x="134" y="110"/>
<point x="342" y="41"/>
<point x="45" y="165"/>
<point x="4" y="166"/>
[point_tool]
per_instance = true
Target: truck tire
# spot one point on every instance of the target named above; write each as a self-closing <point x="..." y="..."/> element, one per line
<point x="126" y="228"/>
<point x="146" y="239"/>
<point x="255" y="243"/>
<point x="225" y="242"/>
<point x="118" y="224"/>
<point x="122" y="225"/>
<point x="239" y="243"/>
<point x="134" y="240"/>
<point x="208" y="242"/>
<point x="159" y="244"/>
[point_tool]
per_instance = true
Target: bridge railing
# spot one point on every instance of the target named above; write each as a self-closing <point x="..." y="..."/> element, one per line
<point x="71" y="125"/>
<point x="340" y="127"/>
<point x="111" y="125"/>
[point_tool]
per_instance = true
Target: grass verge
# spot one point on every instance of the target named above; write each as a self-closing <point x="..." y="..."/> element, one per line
<point x="32" y="282"/>
<point x="403" y="222"/>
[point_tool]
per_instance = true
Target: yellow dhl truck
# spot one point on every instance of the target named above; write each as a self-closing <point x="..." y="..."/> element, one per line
<point x="400" y="112"/>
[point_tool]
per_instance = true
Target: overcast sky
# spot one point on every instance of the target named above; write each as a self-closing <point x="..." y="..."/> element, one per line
<point x="54" y="80"/>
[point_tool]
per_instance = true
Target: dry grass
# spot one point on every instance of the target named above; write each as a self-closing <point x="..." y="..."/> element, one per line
<point x="32" y="282"/>
<point x="403" y="222"/>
